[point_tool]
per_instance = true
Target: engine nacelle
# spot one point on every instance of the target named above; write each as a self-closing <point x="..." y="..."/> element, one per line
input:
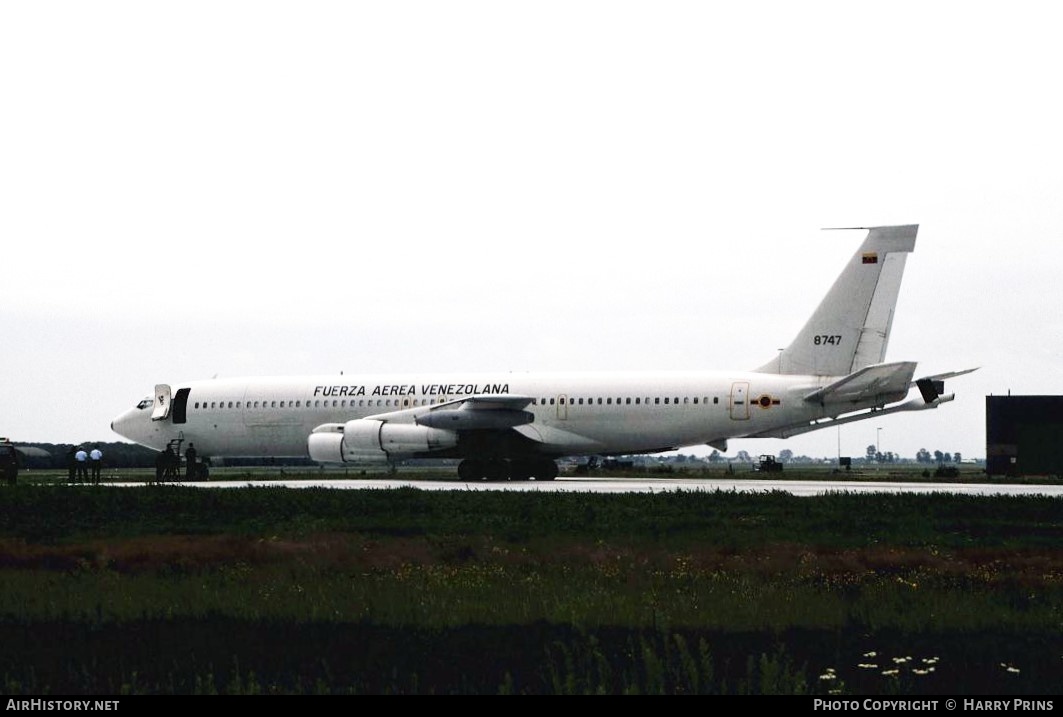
<point x="368" y="439"/>
<point x="325" y="444"/>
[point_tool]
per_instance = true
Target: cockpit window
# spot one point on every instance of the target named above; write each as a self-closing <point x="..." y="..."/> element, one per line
<point x="145" y="403"/>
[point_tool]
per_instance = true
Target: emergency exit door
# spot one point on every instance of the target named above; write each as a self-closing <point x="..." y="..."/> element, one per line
<point x="740" y="401"/>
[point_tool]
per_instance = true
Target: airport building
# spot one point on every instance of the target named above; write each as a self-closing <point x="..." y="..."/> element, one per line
<point x="1024" y="435"/>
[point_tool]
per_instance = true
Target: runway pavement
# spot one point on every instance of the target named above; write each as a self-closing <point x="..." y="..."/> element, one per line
<point x="603" y="484"/>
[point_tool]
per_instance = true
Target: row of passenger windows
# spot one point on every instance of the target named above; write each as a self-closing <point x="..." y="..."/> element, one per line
<point x="318" y="403"/>
<point x="407" y="402"/>
<point x="638" y="401"/>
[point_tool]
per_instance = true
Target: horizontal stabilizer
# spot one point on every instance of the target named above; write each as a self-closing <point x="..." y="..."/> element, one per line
<point x="884" y="382"/>
<point x="931" y="387"/>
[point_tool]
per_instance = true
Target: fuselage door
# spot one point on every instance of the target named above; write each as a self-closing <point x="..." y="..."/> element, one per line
<point x="180" y="405"/>
<point x="740" y="400"/>
<point x="562" y="407"/>
<point x="162" y="402"/>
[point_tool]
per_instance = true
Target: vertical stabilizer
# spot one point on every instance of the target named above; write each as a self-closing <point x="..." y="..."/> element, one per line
<point x="851" y="327"/>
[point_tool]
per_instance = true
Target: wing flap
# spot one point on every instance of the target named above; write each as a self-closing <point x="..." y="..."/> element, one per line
<point x="485" y="412"/>
<point x="555" y="436"/>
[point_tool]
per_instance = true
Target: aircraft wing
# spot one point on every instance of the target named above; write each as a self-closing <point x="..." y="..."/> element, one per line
<point x="888" y="381"/>
<point x="488" y="412"/>
<point x="484" y="412"/>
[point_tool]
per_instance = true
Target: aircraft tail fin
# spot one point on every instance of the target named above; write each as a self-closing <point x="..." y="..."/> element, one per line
<point x="851" y="327"/>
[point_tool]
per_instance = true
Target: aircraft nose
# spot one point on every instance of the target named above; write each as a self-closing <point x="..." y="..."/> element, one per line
<point x="122" y="425"/>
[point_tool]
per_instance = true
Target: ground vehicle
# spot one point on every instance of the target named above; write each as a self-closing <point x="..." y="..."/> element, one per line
<point x="944" y="471"/>
<point x="9" y="460"/>
<point x="767" y="464"/>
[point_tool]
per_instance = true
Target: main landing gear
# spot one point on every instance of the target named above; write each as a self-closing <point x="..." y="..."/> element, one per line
<point x="474" y="469"/>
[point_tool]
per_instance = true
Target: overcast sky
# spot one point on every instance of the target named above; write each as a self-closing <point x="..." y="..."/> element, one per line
<point x="251" y="188"/>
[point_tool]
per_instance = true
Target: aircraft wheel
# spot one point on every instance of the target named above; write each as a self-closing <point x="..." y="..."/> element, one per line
<point x="471" y="470"/>
<point x="521" y="470"/>
<point x="496" y="470"/>
<point x="544" y="470"/>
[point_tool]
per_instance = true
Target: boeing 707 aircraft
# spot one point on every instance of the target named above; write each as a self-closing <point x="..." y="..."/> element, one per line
<point x="515" y="425"/>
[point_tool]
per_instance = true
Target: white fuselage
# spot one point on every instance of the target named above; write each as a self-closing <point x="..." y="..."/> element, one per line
<point x="833" y="372"/>
<point x="574" y="413"/>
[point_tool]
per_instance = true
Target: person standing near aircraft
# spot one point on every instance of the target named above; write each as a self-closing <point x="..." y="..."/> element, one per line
<point x="82" y="459"/>
<point x="8" y="462"/>
<point x="190" y="462"/>
<point x="173" y="464"/>
<point x="161" y="465"/>
<point x="72" y="464"/>
<point x="96" y="458"/>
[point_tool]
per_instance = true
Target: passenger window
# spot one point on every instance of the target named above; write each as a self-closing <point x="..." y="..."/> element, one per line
<point x="657" y="400"/>
<point x="629" y="401"/>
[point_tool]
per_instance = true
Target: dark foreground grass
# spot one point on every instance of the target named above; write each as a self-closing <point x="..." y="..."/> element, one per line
<point x="182" y="590"/>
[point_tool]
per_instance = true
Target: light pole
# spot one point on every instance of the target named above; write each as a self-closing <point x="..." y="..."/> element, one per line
<point x="878" y="440"/>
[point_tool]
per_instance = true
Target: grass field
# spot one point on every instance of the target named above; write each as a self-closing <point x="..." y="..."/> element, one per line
<point x="168" y="589"/>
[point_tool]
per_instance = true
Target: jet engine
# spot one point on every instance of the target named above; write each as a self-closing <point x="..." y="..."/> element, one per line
<point x="368" y="439"/>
